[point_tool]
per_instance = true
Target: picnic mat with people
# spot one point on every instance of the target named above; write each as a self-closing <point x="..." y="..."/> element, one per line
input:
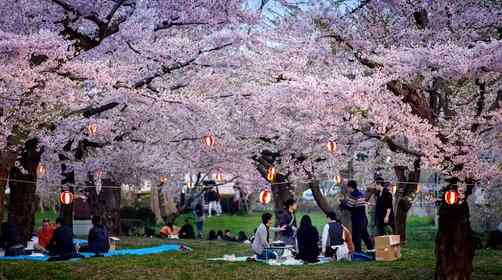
<point x="121" y="252"/>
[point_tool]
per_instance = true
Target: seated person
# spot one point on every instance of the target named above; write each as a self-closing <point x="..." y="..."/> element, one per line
<point x="187" y="230"/>
<point x="98" y="240"/>
<point x="11" y="240"/>
<point x="228" y="236"/>
<point x="308" y="241"/>
<point x="44" y="235"/>
<point x="61" y="243"/>
<point x="219" y="235"/>
<point x="169" y="231"/>
<point x="262" y="238"/>
<point x="212" y="235"/>
<point x="242" y="237"/>
<point x="336" y="239"/>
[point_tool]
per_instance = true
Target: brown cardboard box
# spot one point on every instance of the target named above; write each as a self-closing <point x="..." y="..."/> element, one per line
<point x="387" y="241"/>
<point x="391" y="253"/>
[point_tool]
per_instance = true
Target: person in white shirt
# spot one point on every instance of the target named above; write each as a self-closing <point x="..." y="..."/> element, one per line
<point x="336" y="239"/>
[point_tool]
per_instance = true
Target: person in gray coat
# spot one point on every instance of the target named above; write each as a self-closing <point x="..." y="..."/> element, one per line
<point x="262" y="238"/>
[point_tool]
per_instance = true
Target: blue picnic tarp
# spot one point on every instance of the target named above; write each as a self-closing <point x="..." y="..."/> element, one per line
<point x="122" y="252"/>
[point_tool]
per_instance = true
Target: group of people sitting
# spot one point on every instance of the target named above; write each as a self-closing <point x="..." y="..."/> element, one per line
<point x="227" y="235"/>
<point x="169" y="230"/>
<point x="336" y="241"/>
<point x="56" y="240"/>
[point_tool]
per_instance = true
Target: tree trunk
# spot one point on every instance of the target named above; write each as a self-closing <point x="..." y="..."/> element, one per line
<point x="405" y="194"/>
<point x="106" y="205"/>
<point x="454" y="243"/>
<point x="155" y="203"/>
<point x="319" y="198"/>
<point x="3" y="182"/>
<point x="23" y="200"/>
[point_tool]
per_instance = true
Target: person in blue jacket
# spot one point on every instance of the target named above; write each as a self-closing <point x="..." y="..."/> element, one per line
<point x="356" y="204"/>
<point x="98" y="239"/>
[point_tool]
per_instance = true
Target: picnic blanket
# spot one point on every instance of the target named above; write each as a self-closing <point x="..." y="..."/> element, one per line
<point x="122" y="252"/>
<point x="278" y="262"/>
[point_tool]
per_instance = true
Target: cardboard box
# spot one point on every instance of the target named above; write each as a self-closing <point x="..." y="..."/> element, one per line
<point x="387" y="241"/>
<point x="388" y="254"/>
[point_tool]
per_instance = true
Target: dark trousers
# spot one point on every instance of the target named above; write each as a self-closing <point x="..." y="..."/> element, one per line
<point x="360" y="231"/>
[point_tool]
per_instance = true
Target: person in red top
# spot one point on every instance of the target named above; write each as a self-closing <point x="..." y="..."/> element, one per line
<point x="44" y="235"/>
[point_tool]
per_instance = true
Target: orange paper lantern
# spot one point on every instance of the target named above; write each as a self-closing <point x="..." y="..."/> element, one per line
<point x="66" y="198"/>
<point x="265" y="197"/>
<point x="92" y="129"/>
<point x="331" y="146"/>
<point x="271" y="173"/>
<point x="338" y="179"/>
<point x="163" y="179"/>
<point x="208" y="140"/>
<point x="41" y="170"/>
<point x="219" y="177"/>
<point x="451" y="197"/>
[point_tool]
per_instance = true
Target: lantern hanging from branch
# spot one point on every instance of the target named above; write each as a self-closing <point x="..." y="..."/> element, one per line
<point x="41" y="170"/>
<point x="163" y="179"/>
<point x="331" y="146"/>
<point x="92" y="129"/>
<point x="418" y="188"/>
<point x="451" y="197"/>
<point x="219" y="177"/>
<point x="97" y="181"/>
<point x="208" y="140"/>
<point x="393" y="189"/>
<point x="338" y="179"/>
<point x="66" y="197"/>
<point x="271" y="174"/>
<point x="265" y="197"/>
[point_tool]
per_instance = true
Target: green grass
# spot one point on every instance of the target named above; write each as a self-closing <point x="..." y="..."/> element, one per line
<point x="417" y="261"/>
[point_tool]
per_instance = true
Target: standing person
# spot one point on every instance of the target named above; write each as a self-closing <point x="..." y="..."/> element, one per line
<point x="261" y="239"/>
<point x="236" y="200"/>
<point x="61" y="244"/>
<point x="384" y="213"/>
<point x="218" y="202"/>
<point x="199" y="220"/>
<point x="288" y="220"/>
<point x="44" y="235"/>
<point x="356" y="204"/>
<point x="335" y="234"/>
<point x="98" y="239"/>
<point x="212" y="198"/>
<point x="308" y="241"/>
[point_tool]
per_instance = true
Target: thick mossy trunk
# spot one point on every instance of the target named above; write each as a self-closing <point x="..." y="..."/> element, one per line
<point x="23" y="201"/>
<point x="454" y="243"/>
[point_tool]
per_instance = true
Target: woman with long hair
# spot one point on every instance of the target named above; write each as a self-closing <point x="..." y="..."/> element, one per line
<point x="308" y="241"/>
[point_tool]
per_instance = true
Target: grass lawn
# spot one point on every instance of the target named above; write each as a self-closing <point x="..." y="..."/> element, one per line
<point x="417" y="261"/>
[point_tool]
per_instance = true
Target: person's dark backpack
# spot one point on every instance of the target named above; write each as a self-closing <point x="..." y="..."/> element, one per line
<point x="335" y="234"/>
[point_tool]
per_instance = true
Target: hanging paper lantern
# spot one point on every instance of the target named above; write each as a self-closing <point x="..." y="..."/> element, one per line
<point x="271" y="173"/>
<point x="41" y="170"/>
<point x="163" y="179"/>
<point x="338" y="179"/>
<point x="66" y="197"/>
<point x="418" y="188"/>
<point x="331" y="146"/>
<point x="265" y="197"/>
<point x="219" y="177"/>
<point x="208" y="140"/>
<point x="451" y="197"/>
<point x="92" y="129"/>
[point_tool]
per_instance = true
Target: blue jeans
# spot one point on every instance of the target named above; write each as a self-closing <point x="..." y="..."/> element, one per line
<point x="267" y="255"/>
<point x="199" y="228"/>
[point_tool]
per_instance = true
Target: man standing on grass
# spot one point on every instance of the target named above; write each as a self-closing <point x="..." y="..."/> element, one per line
<point x="356" y="204"/>
<point x="288" y="220"/>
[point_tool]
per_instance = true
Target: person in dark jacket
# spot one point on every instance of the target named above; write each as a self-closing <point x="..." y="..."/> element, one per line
<point x="308" y="241"/>
<point x="288" y="220"/>
<point x="99" y="241"/>
<point x="356" y="204"/>
<point x="187" y="231"/>
<point x="61" y="243"/>
<point x="11" y="240"/>
<point x="384" y="213"/>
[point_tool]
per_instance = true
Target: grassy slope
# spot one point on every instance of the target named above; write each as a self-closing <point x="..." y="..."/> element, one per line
<point x="417" y="261"/>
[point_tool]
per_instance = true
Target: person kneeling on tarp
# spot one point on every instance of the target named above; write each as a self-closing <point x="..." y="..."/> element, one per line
<point x="262" y="238"/>
<point x="98" y="241"/>
<point x="336" y="239"/>
<point x="169" y="231"/>
<point x="61" y="245"/>
<point x="44" y="235"/>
